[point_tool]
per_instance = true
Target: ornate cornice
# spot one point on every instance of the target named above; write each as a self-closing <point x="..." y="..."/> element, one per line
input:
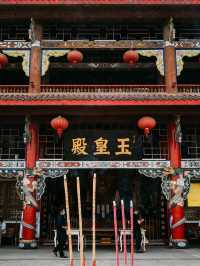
<point x="99" y="2"/>
<point x="99" y="96"/>
<point x="102" y="164"/>
<point x="103" y="44"/>
<point x="158" y="53"/>
<point x="46" y="54"/>
<point x="25" y="54"/>
<point x="179" y="57"/>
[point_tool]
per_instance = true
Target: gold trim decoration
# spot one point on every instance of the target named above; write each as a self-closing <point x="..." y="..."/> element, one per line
<point x="158" y="53"/>
<point x="25" y="54"/>
<point x="46" y="54"/>
<point x="179" y="58"/>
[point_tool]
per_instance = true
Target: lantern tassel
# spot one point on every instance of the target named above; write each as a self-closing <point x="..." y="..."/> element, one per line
<point x="59" y="132"/>
<point x="146" y="131"/>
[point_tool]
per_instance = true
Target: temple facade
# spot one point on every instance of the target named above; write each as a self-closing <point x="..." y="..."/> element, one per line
<point x="105" y="87"/>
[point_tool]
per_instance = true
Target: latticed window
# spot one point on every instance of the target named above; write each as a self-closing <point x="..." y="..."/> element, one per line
<point x="156" y="145"/>
<point x="51" y="147"/>
<point x="101" y="32"/>
<point x="11" y="143"/>
<point x="13" y="31"/>
<point x="191" y="142"/>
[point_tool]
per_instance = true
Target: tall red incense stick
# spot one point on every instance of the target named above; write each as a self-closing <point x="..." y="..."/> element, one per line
<point x="124" y="231"/>
<point x="116" y="233"/>
<point x="132" y="232"/>
<point x="94" y="221"/>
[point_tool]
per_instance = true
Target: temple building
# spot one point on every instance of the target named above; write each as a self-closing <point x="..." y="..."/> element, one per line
<point x="106" y="87"/>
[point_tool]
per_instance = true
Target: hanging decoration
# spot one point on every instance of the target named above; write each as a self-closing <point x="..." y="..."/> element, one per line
<point x="75" y="57"/>
<point x="146" y="123"/>
<point x="178" y="133"/>
<point x="27" y="133"/>
<point x="3" y="60"/>
<point x="59" y="124"/>
<point x="130" y="57"/>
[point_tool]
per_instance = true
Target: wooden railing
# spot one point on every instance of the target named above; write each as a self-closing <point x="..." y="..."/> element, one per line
<point x="101" y="89"/>
<point x="72" y="89"/>
<point x="188" y="88"/>
<point x="13" y="89"/>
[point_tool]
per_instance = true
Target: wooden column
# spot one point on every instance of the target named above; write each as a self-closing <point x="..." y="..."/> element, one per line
<point x="170" y="68"/>
<point x="36" y="58"/>
<point x="170" y="58"/>
<point x="29" y="186"/>
<point x="176" y="210"/>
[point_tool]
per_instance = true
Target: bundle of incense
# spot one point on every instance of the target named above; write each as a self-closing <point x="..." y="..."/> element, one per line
<point x="124" y="232"/>
<point x="82" y="259"/>
<point x="94" y="222"/>
<point x="116" y="233"/>
<point x="71" y="258"/>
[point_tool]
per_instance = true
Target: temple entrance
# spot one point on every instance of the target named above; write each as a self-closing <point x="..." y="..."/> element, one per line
<point x="112" y="184"/>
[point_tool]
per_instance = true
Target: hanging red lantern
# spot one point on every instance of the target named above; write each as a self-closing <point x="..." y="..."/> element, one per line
<point x="75" y="57"/>
<point x="146" y="123"/>
<point x="3" y="60"/>
<point x="130" y="57"/>
<point x="59" y="124"/>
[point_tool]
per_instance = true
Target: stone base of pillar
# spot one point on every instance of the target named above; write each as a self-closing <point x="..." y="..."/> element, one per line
<point x="178" y="243"/>
<point x="28" y="244"/>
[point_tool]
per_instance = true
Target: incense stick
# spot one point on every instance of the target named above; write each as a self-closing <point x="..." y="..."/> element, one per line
<point x="80" y="221"/>
<point x="132" y="232"/>
<point x="71" y="259"/>
<point x="94" y="222"/>
<point x="116" y="233"/>
<point x="124" y="232"/>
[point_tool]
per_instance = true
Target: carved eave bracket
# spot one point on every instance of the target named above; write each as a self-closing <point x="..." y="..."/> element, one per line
<point x="46" y="54"/>
<point x="158" y="53"/>
<point x="153" y="173"/>
<point x="166" y="182"/>
<point x="25" y="54"/>
<point x="179" y="58"/>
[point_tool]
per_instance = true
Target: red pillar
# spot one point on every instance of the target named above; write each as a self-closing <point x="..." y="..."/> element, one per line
<point x="177" y="211"/>
<point x="29" y="185"/>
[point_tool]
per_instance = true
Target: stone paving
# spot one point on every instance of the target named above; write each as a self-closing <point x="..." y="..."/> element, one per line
<point x="154" y="256"/>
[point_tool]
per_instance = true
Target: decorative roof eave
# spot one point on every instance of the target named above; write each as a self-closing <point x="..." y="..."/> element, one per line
<point x="119" y="96"/>
<point x="99" y="102"/>
<point x="99" y="2"/>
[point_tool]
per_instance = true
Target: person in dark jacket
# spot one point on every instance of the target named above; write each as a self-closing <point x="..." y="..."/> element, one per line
<point x="61" y="233"/>
<point x="137" y="231"/>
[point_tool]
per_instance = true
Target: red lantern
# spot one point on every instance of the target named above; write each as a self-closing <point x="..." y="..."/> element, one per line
<point x="75" y="57"/>
<point x="3" y="60"/>
<point x="130" y="57"/>
<point x="146" y="123"/>
<point x="59" y="124"/>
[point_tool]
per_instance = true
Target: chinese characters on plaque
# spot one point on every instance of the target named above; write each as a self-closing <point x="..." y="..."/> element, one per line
<point x="88" y="147"/>
<point x="79" y="146"/>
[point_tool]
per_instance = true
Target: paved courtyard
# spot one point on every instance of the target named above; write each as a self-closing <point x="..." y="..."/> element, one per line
<point x="153" y="257"/>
